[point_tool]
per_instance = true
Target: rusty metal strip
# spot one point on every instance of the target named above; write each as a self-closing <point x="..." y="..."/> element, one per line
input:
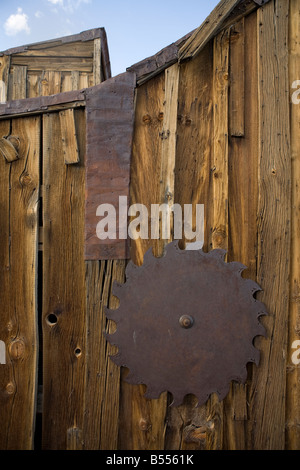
<point x="109" y="131"/>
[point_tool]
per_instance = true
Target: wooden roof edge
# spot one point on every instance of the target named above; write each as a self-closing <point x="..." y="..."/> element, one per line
<point x="153" y="65"/>
<point x="192" y="43"/>
<point x="41" y="104"/>
<point x="75" y="98"/>
<point x="84" y="36"/>
<point x="215" y="23"/>
<point x="105" y="54"/>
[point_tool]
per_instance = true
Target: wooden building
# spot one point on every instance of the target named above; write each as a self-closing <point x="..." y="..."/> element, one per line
<point x="211" y="119"/>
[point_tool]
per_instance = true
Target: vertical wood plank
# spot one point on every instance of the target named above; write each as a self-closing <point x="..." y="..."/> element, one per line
<point x="142" y="423"/>
<point x="101" y="422"/>
<point x="237" y="79"/>
<point x="242" y="239"/>
<point x="293" y="371"/>
<point x="18" y="83"/>
<point x="4" y="75"/>
<point x="19" y="192"/>
<point x="50" y="83"/>
<point x="168" y="137"/>
<point x="75" y="80"/>
<point x="268" y="388"/>
<point x="64" y="292"/>
<point x="220" y="154"/>
<point x="97" y="72"/>
<point x="219" y="187"/>
<point x="33" y="85"/>
<point x="7" y="387"/>
<point x="84" y="80"/>
<point x="69" y="137"/>
<point x="187" y="426"/>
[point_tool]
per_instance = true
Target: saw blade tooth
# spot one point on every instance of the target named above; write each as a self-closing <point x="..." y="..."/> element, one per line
<point x="252" y="286"/>
<point x="255" y="356"/>
<point x="117" y="288"/>
<point x="171" y="248"/>
<point x="261" y="330"/>
<point x="130" y="378"/>
<point x="152" y="393"/>
<point x="223" y="391"/>
<point x="218" y="253"/>
<point x="111" y="314"/>
<point x="117" y="359"/>
<point x="202" y="399"/>
<point x="112" y="338"/>
<point x="176" y="399"/>
<point x="148" y="256"/>
<point x="236" y="266"/>
<point x="261" y="310"/>
<point x="244" y="373"/>
<point x="130" y="269"/>
<point x="133" y="379"/>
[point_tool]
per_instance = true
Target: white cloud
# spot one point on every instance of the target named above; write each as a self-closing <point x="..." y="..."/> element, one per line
<point x="39" y="14"/>
<point x="16" y="23"/>
<point x="68" y="5"/>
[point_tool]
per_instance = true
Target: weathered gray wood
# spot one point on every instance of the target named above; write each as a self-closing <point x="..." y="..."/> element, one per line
<point x="213" y="24"/>
<point x="267" y="395"/>
<point x="19" y="195"/>
<point x="40" y="104"/>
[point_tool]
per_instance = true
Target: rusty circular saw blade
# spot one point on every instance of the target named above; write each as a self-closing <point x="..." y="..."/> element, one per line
<point x="217" y="308"/>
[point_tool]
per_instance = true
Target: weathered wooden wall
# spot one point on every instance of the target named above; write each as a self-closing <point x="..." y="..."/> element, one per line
<point x="55" y="66"/>
<point x="219" y="129"/>
<point x="232" y="153"/>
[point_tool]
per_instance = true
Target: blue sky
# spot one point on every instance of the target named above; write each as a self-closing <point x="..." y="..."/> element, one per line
<point x="135" y="29"/>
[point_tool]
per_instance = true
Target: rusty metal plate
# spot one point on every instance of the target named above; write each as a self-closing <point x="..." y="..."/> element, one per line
<point x="186" y="323"/>
<point x="109" y="132"/>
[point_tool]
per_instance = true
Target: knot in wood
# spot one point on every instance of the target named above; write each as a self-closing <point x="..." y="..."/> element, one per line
<point x="17" y="349"/>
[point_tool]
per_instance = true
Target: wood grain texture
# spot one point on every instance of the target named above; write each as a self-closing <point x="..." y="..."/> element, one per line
<point x="4" y="75"/>
<point x="46" y="68"/>
<point x="50" y="82"/>
<point x="142" y="421"/>
<point x="208" y="29"/>
<point x="101" y="421"/>
<point x="84" y="36"/>
<point x="242" y="237"/>
<point x="219" y="231"/>
<point x="218" y="238"/>
<point x="293" y="371"/>
<point x="168" y="149"/>
<point x="97" y="66"/>
<point x="19" y="231"/>
<point x="195" y="135"/>
<point x="69" y="138"/>
<point x="64" y="292"/>
<point x="18" y="83"/>
<point x="148" y="68"/>
<point x="268" y="388"/>
<point x="109" y="129"/>
<point x="187" y="426"/>
<point x="54" y="64"/>
<point x="69" y="50"/>
<point x="8" y="150"/>
<point x="41" y="104"/>
<point x="237" y="79"/>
